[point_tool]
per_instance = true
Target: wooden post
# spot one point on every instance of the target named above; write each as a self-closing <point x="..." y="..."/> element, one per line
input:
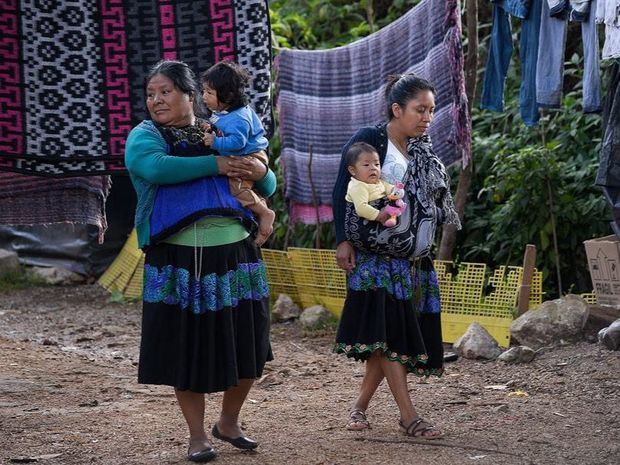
<point x="317" y="233"/>
<point x="529" y="261"/>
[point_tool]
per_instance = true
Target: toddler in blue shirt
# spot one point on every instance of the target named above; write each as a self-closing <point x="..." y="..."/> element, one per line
<point x="236" y="130"/>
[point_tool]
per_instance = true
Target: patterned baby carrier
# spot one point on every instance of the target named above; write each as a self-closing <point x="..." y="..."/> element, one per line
<point x="429" y="204"/>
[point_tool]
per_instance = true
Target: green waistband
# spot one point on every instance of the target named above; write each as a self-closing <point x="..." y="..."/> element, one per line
<point x="210" y="232"/>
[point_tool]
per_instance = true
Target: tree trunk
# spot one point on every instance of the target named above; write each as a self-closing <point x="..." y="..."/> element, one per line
<point x="448" y="237"/>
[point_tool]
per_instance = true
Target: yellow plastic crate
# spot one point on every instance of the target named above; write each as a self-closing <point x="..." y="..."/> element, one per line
<point x="280" y="275"/>
<point x="536" y="291"/>
<point x="590" y="297"/>
<point x="319" y="280"/>
<point x="126" y="272"/>
<point x="464" y="301"/>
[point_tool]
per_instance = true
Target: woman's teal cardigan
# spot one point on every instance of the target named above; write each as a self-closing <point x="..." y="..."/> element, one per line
<point x="150" y="165"/>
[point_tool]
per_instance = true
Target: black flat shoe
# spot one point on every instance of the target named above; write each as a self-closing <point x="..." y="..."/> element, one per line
<point x="240" y="442"/>
<point x="205" y="455"/>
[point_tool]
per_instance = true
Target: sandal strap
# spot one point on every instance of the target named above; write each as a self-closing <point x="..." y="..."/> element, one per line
<point x="358" y="415"/>
<point x="416" y="428"/>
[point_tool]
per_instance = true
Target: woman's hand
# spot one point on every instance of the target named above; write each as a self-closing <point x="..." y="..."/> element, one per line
<point x="245" y="167"/>
<point x="345" y="256"/>
<point x="382" y="217"/>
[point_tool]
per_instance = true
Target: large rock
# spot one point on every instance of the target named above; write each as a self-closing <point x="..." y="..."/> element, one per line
<point x="610" y="337"/>
<point x="518" y="354"/>
<point x="314" y="317"/>
<point x="8" y="261"/>
<point x="555" y="321"/>
<point x="53" y="275"/>
<point x="477" y="343"/>
<point x="285" y="309"/>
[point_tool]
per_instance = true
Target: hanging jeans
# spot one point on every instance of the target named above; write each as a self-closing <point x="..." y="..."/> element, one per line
<point x="500" y="51"/>
<point x="550" y="67"/>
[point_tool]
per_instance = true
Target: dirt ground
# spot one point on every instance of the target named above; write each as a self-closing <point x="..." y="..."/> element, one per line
<point x="68" y="395"/>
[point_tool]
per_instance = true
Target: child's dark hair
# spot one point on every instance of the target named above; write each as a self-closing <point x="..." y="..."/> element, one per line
<point x="401" y="88"/>
<point x="229" y="80"/>
<point x="356" y="150"/>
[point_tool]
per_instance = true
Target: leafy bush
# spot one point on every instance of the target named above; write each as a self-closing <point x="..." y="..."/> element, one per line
<point x="530" y="181"/>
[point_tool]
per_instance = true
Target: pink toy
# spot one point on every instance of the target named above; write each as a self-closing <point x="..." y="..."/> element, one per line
<point x="396" y="206"/>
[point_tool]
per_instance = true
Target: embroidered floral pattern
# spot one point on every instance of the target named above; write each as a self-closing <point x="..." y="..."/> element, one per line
<point x="426" y="288"/>
<point x="374" y="271"/>
<point x="185" y="141"/>
<point x="412" y="363"/>
<point x="177" y="286"/>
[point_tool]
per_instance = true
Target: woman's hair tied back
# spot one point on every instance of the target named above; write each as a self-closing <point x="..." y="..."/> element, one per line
<point x="401" y="88"/>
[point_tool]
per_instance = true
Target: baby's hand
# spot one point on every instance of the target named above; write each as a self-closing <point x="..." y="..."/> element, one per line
<point x="208" y="139"/>
<point x="382" y="217"/>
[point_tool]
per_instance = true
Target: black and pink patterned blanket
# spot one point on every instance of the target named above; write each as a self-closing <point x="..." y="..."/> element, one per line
<point x="72" y="72"/>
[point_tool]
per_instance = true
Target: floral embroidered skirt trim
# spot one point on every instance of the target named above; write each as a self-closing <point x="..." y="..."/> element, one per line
<point x="204" y="334"/>
<point x="395" y="310"/>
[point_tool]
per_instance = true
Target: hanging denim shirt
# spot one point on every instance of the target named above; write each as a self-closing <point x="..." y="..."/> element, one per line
<point x="500" y="51"/>
<point x="550" y="68"/>
<point x="575" y="10"/>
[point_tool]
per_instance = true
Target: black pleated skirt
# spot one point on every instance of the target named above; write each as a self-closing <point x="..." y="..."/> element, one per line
<point x="394" y="309"/>
<point x="205" y="321"/>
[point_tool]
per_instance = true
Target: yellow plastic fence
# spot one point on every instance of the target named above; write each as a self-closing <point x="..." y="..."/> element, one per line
<point x="467" y="294"/>
<point x="590" y="297"/>
<point x="126" y="272"/>
<point x="280" y="275"/>
<point x="318" y="278"/>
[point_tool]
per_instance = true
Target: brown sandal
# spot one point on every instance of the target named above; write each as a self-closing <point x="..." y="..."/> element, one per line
<point x="418" y="429"/>
<point x="358" y="420"/>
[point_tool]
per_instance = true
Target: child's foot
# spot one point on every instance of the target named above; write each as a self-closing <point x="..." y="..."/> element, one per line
<point x="265" y="226"/>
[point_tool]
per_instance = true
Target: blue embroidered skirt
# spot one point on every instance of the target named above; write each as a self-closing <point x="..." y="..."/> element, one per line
<point x="394" y="310"/>
<point x="205" y="334"/>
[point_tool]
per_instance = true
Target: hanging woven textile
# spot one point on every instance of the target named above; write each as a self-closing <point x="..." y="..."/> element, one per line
<point x="72" y="72"/>
<point x="324" y="96"/>
<point x="72" y="75"/>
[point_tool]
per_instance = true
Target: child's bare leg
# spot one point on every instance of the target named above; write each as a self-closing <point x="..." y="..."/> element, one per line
<point x="266" y="217"/>
<point x="249" y="199"/>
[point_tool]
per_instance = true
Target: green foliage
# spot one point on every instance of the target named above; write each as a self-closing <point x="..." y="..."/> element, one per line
<point x="316" y="24"/>
<point x="524" y="177"/>
<point x="117" y="297"/>
<point x="20" y="278"/>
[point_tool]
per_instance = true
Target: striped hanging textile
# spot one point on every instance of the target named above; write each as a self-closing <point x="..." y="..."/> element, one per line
<point x="324" y="96"/>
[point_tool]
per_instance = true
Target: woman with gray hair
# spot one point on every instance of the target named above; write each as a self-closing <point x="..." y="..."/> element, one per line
<point x="205" y="323"/>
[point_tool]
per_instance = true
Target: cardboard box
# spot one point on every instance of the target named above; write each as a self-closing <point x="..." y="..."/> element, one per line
<point x="604" y="262"/>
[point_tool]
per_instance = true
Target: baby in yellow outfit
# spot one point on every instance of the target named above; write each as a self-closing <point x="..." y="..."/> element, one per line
<point x="366" y="184"/>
